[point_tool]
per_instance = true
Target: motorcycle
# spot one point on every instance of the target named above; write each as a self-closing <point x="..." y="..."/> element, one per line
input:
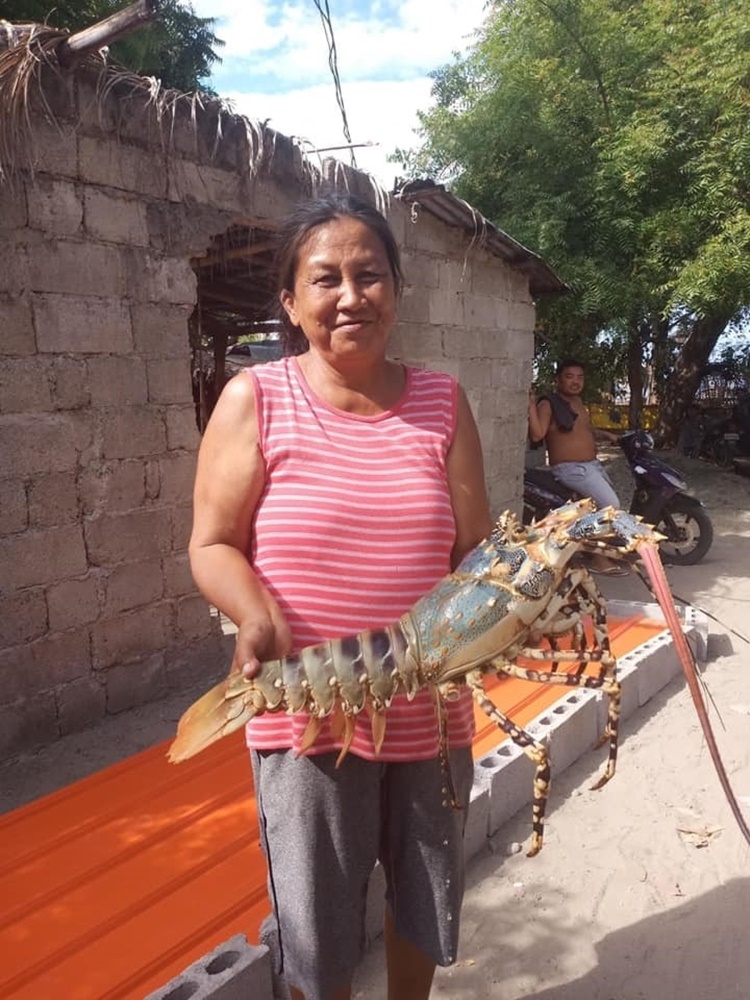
<point x="659" y="498"/>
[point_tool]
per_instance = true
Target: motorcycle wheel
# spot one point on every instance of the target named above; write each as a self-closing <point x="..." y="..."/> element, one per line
<point x="689" y="533"/>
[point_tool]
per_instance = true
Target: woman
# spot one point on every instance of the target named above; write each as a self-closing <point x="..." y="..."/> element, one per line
<point x="334" y="488"/>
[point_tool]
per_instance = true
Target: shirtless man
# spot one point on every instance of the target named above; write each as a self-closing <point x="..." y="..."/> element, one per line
<point x="571" y="453"/>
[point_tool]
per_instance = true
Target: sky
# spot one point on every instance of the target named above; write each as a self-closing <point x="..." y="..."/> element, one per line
<point x="275" y="66"/>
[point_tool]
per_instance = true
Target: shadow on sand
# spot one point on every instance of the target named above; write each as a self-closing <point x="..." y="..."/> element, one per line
<point x="697" y="951"/>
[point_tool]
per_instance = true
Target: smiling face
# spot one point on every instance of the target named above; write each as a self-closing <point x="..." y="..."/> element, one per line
<point x="570" y="381"/>
<point x="344" y="294"/>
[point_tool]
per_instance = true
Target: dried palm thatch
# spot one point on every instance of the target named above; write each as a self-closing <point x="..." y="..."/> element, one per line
<point x="31" y="63"/>
<point x="30" y="48"/>
<point x="31" y="52"/>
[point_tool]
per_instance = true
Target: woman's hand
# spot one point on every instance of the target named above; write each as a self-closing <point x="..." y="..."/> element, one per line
<point x="260" y="637"/>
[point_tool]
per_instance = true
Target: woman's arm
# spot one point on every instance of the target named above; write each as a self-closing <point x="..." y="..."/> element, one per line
<point x="465" y="468"/>
<point x="228" y="484"/>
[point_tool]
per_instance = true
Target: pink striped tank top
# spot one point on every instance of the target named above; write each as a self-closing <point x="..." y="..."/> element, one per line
<point x="353" y="525"/>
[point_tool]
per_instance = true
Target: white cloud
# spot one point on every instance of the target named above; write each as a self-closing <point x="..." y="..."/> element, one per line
<point x="380" y="112"/>
<point x="424" y="34"/>
<point x="275" y="65"/>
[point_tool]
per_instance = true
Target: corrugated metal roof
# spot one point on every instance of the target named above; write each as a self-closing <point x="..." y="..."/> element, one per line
<point x="435" y="199"/>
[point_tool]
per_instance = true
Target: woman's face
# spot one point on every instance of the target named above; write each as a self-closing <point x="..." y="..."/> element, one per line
<point x="344" y="294"/>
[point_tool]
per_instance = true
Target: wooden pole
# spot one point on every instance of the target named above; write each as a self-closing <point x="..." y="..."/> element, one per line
<point x="105" y="32"/>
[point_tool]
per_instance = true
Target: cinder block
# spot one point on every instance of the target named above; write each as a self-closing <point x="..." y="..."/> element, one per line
<point x="172" y="323"/>
<point x="133" y="432"/>
<point x="72" y="603"/>
<point x="659" y="665"/>
<point x="23" y="617"/>
<point x="115" y="219"/>
<point x="117" y="165"/>
<point x="117" y="641"/>
<point x="31" y="558"/>
<point x="117" y="381"/>
<point x="169" y="380"/>
<point x="80" y="703"/>
<point x="13" y="502"/>
<point x="176" y="475"/>
<point x="269" y="937"/>
<point x="69" y="380"/>
<point x="42" y="443"/>
<point x="508" y="774"/>
<point x="53" y="500"/>
<point x="696" y="630"/>
<point x="574" y="728"/>
<point x="72" y="267"/>
<point x="17" y="326"/>
<point x="28" y="723"/>
<point x="23" y="387"/>
<point x="137" y="534"/>
<point x="420" y="269"/>
<point x="55" y="207"/>
<point x="131" y="585"/>
<point x="182" y="430"/>
<point x="160" y="279"/>
<point x="131" y="684"/>
<point x="477" y="818"/>
<point x="235" y="970"/>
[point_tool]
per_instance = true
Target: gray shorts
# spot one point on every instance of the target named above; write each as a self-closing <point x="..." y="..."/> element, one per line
<point x="323" y="828"/>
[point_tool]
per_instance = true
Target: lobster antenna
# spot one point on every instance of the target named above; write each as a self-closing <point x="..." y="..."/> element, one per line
<point x="697" y="607"/>
<point x="712" y="617"/>
<point x="689" y="604"/>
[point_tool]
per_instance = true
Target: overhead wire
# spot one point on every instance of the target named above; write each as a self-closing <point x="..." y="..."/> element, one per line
<point x="325" y="17"/>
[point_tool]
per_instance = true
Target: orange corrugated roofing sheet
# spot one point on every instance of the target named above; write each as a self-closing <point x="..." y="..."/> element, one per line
<point x="112" y="886"/>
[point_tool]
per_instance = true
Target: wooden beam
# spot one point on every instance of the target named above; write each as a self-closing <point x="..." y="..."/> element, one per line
<point x="232" y="299"/>
<point x="105" y="32"/>
<point x="217" y="258"/>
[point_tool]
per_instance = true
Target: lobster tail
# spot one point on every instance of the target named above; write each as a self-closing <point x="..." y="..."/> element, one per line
<point x="216" y="714"/>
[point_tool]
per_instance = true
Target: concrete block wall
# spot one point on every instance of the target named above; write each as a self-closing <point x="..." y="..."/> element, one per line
<point x="98" y="437"/>
<point x="98" y="611"/>
<point x="463" y="314"/>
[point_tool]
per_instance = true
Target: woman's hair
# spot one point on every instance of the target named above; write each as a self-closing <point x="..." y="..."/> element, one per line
<point x="295" y="230"/>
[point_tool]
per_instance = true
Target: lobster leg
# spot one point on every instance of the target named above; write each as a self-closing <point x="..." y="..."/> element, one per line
<point x="449" y="789"/>
<point x="584" y="599"/>
<point x="533" y="749"/>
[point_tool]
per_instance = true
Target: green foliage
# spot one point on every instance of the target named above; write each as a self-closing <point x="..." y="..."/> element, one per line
<point x="179" y="48"/>
<point x="734" y="360"/>
<point x="611" y="136"/>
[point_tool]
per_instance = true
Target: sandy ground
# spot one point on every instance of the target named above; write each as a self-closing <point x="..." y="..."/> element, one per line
<point x="620" y="904"/>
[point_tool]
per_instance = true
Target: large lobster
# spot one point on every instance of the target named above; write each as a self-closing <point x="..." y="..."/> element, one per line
<point x="518" y="586"/>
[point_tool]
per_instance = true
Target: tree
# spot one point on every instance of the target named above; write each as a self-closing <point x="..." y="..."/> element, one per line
<point x="179" y="48"/>
<point x="611" y="136"/>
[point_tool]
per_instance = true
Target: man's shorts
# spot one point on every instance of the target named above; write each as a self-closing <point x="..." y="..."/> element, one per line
<point x="589" y="479"/>
<point x="322" y="829"/>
